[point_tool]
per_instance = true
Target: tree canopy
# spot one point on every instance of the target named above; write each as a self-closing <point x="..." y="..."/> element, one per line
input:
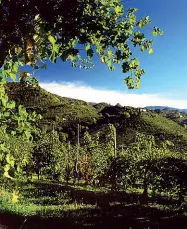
<point x="33" y="31"/>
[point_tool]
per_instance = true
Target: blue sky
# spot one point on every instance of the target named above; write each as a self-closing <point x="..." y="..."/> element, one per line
<point x="166" y="69"/>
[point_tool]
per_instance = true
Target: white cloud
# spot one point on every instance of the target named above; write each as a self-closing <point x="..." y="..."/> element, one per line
<point x="87" y="93"/>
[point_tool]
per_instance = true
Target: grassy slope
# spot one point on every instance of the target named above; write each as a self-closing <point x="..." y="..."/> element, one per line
<point x="174" y="115"/>
<point x="158" y="123"/>
<point x="52" y="107"/>
<point x="66" y="113"/>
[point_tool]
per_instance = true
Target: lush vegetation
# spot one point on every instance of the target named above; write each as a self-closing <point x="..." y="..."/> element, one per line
<point x="29" y="36"/>
<point x="66" y="159"/>
<point x="65" y="177"/>
<point x="178" y="116"/>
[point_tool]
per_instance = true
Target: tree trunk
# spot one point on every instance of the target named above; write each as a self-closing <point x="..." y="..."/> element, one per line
<point x="144" y="197"/>
<point x="77" y="156"/>
<point x="38" y="174"/>
<point x="115" y="145"/>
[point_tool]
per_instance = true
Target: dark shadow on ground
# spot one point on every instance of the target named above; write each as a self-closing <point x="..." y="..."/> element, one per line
<point x="122" y="217"/>
<point x="91" y="197"/>
<point x="116" y="210"/>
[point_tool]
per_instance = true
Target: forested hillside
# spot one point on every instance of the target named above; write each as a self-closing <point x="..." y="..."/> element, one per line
<point x="86" y="156"/>
<point x="98" y="147"/>
<point x="63" y="114"/>
<point x="176" y="115"/>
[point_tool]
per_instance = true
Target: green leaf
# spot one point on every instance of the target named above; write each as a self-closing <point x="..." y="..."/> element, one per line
<point x="130" y="82"/>
<point x="103" y="59"/>
<point x="87" y="46"/>
<point x="13" y="76"/>
<point x="6" y="174"/>
<point x="139" y="72"/>
<point x="137" y="82"/>
<point x="119" y="10"/>
<point x="52" y="39"/>
<point x="143" y="48"/>
<point x="132" y="19"/>
<point x="27" y="134"/>
<point x="11" y="105"/>
<point x="150" y="51"/>
<point x="109" y="63"/>
<point x="4" y="148"/>
<point x="40" y="116"/>
<point x="134" y="64"/>
<point x="53" y="57"/>
<point x="19" y="169"/>
<point x="138" y="38"/>
<point x="13" y="133"/>
<point x="154" y="33"/>
<point x="72" y="57"/>
<point x="110" y="54"/>
<point x="6" y="114"/>
<point x="22" y="111"/>
<point x="146" y="45"/>
<point x="4" y="101"/>
<point x="144" y="22"/>
<point x="74" y="42"/>
<point x="15" y="67"/>
<point x="6" y="169"/>
<point x="15" y="197"/>
<point x="10" y="159"/>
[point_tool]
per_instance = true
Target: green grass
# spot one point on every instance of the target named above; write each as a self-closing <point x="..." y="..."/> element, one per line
<point x="31" y="203"/>
<point x="50" y="203"/>
<point x="158" y="123"/>
<point x="34" y="200"/>
<point x="44" y="198"/>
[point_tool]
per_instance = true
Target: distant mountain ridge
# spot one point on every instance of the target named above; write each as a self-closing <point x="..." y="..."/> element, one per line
<point x="166" y="107"/>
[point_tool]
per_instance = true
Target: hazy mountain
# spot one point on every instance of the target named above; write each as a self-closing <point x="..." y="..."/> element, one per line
<point x="165" y="107"/>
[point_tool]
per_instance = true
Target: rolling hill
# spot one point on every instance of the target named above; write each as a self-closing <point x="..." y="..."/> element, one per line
<point x="65" y="113"/>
